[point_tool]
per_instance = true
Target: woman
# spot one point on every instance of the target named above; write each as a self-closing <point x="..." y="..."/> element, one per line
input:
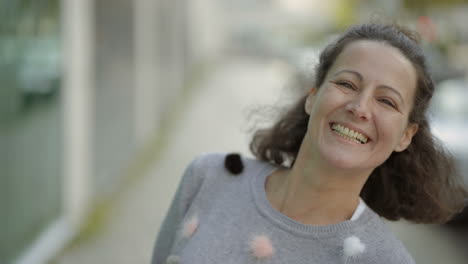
<point x="356" y="147"/>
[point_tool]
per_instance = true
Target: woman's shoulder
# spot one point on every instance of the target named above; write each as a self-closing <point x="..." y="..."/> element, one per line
<point x="214" y="167"/>
<point x="208" y="173"/>
<point x="223" y="162"/>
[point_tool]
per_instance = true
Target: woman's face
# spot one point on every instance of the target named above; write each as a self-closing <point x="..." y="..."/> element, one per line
<point x="359" y="115"/>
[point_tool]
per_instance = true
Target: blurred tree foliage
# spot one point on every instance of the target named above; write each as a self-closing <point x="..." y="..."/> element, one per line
<point x="346" y="12"/>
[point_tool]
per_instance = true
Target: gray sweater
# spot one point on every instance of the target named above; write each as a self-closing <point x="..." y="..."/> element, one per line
<point x="217" y="217"/>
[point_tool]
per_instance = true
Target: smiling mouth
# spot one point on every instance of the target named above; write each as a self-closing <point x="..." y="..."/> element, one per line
<point x="348" y="133"/>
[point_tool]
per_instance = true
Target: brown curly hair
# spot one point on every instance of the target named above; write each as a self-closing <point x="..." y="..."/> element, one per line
<point x="419" y="184"/>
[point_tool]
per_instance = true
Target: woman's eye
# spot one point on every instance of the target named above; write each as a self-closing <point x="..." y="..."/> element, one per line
<point x="387" y="102"/>
<point x="346" y="85"/>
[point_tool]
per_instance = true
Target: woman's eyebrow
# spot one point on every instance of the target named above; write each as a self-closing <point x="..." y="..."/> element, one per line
<point x="357" y="74"/>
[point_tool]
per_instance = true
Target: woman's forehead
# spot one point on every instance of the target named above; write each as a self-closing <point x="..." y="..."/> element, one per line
<point x="375" y="61"/>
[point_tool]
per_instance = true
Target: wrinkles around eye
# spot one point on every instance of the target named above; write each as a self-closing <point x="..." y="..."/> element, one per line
<point x="345" y="84"/>
<point x="350" y="86"/>
<point x="388" y="102"/>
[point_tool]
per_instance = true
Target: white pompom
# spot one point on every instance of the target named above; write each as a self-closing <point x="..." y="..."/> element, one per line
<point x="353" y="246"/>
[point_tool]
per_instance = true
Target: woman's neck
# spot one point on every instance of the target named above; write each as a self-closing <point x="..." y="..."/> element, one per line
<point x="314" y="194"/>
<point x="316" y="206"/>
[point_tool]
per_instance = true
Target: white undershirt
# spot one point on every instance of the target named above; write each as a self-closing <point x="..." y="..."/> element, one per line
<point x="360" y="208"/>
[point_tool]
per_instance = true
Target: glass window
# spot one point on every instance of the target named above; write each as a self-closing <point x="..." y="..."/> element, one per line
<point x="30" y="122"/>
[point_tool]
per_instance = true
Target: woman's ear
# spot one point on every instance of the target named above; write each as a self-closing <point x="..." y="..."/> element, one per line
<point x="309" y="100"/>
<point x="407" y="136"/>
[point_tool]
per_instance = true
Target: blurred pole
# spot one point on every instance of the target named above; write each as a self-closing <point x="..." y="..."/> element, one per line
<point x="147" y="117"/>
<point x="78" y="79"/>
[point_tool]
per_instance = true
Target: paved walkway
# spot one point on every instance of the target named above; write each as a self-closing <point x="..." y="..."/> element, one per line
<point x="214" y="119"/>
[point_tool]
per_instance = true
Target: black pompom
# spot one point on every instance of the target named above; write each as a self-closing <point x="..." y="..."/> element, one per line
<point x="233" y="163"/>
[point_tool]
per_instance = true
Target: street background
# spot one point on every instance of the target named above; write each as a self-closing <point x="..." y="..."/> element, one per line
<point x="104" y="103"/>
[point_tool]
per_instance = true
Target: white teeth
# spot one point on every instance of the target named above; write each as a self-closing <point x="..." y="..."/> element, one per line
<point x="349" y="133"/>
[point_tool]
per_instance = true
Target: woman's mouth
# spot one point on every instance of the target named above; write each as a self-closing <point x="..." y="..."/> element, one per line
<point x="348" y="133"/>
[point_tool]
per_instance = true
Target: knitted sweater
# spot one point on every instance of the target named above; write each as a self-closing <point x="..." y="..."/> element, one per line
<point x="218" y="217"/>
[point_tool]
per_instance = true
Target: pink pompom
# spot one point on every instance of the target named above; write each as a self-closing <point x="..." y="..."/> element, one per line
<point x="190" y="227"/>
<point x="261" y="247"/>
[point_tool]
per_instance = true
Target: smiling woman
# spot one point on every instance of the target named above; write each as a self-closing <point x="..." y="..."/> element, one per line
<point x="355" y="147"/>
<point x="417" y="182"/>
<point x="357" y="95"/>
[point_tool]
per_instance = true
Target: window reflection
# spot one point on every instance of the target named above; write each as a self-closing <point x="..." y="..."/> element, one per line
<point x="30" y="125"/>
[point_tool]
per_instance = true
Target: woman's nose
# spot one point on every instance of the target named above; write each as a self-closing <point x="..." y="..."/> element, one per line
<point x="359" y="107"/>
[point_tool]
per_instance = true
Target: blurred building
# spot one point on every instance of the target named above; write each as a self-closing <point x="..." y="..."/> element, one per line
<point x="85" y="86"/>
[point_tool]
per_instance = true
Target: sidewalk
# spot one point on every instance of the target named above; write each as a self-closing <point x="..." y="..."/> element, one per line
<point x="215" y="119"/>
